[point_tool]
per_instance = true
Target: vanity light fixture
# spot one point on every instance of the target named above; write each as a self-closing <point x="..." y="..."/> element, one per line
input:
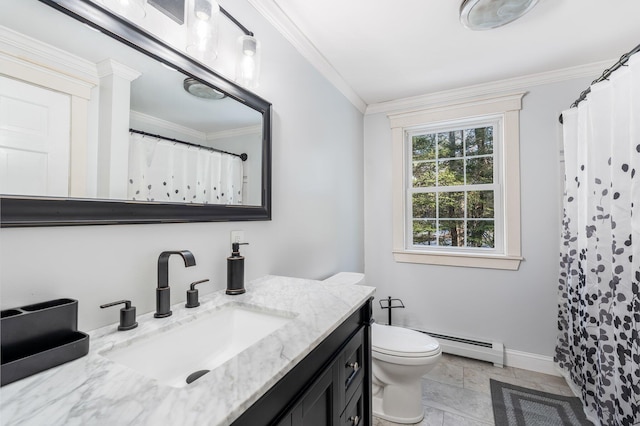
<point x="201" y="90"/>
<point x="202" y="29"/>
<point x="488" y="14"/>
<point x="248" y="65"/>
<point x="248" y="61"/>
<point x="202" y="40"/>
<point x="127" y="8"/>
<point x="203" y="37"/>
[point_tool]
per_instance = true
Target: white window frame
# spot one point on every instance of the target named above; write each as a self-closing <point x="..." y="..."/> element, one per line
<point x="503" y="110"/>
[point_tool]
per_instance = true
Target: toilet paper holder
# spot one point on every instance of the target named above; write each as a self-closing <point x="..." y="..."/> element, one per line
<point x="389" y="305"/>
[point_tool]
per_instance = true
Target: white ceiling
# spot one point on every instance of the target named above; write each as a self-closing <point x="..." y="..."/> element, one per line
<point x="383" y="50"/>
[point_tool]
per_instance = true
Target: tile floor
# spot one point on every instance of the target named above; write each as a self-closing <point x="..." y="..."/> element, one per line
<point x="456" y="392"/>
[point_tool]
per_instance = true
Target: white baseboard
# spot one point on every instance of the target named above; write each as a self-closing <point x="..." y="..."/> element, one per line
<point x="532" y="362"/>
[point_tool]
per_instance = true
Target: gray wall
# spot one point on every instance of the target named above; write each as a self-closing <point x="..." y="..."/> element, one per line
<point x="317" y="210"/>
<point x="517" y="308"/>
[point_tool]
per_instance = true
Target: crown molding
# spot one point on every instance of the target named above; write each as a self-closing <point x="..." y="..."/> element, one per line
<point x="242" y="131"/>
<point x="468" y="93"/>
<point x="167" y="125"/>
<point x="46" y="77"/>
<point x="201" y="137"/>
<point x="45" y="55"/>
<point x="276" y="16"/>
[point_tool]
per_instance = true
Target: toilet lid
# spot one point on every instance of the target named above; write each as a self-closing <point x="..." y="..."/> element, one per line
<point x="400" y="341"/>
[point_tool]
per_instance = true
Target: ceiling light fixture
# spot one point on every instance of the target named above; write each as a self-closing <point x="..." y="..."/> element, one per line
<point x="488" y="14"/>
<point x="201" y="90"/>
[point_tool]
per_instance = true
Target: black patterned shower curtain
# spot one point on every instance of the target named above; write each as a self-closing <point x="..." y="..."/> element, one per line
<point x="598" y="346"/>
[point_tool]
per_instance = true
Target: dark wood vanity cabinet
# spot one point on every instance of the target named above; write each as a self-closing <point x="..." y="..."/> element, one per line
<point x="329" y="387"/>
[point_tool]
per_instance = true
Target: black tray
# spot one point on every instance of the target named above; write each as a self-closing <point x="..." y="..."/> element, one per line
<point x="37" y="337"/>
<point x="50" y="353"/>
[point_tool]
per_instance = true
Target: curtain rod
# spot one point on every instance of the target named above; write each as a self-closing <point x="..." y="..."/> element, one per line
<point x="242" y="156"/>
<point x="605" y="76"/>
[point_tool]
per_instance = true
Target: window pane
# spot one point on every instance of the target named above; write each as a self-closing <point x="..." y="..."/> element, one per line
<point x="480" y="233"/>
<point x="450" y="172"/>
<point x="424" y="147"/>
<point x="450" y="144"/>
<point x="424" y="174"/>
<point x="479" y="141"/>
<point x="451" y="233"/>
<point x="480" y="204"/>
<point x="451" y="205"/>
<point x="424" y="205"/>
<point x="424" y="232"/>
<point x="479" y="170"/>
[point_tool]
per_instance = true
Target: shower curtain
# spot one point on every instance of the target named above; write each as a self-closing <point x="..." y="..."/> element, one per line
<point x="167" y="171"/>
<point x="598" y="346"/>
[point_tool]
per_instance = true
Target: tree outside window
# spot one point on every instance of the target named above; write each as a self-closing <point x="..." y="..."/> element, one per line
<point x="452" y="188"/>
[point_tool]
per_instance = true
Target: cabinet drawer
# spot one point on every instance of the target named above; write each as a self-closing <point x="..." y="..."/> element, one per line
<point x="354" y="413"/>
<point x="352" y="370"/>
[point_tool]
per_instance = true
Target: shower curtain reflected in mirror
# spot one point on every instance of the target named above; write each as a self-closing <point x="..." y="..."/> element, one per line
<point x="598" y="347"/>
<point x="172" y="172"/>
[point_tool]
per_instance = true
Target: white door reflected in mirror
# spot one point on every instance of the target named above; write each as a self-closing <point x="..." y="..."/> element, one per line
<point x="34" y="140"/>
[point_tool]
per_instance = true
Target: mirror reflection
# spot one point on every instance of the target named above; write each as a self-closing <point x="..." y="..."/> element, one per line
<point x="85" y="116"/>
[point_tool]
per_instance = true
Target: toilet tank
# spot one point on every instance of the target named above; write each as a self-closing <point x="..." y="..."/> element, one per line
<point x="346" y="278"/>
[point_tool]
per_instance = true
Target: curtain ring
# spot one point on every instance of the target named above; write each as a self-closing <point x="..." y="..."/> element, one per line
<point x="623" y="59"/>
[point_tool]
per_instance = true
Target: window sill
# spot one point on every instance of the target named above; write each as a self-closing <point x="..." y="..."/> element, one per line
<point x="510" y="263"/>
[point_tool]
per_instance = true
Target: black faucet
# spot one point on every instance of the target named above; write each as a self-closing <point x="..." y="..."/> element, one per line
<point x="163" y="292"/>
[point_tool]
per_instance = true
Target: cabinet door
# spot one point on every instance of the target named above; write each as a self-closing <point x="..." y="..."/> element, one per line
<point x="352" y="368"/>
<point x="319" y="406"/>
<point x="354" y="414"/>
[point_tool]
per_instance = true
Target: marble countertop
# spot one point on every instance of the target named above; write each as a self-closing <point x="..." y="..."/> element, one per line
<point x="94" y="390"/>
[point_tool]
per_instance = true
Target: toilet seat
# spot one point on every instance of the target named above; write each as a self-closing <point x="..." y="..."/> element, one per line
<point x="403" y="343"/>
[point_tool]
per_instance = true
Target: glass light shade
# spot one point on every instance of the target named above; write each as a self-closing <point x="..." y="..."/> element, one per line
<point x="488" y="14"/>
<point x="127" y="8"/>
<point x="202" y="29"/>
<point x="201" y="90"/>
<point x="248" y="64"/>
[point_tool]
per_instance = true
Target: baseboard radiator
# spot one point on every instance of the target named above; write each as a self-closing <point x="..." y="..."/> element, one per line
<point x="485" y="351"/>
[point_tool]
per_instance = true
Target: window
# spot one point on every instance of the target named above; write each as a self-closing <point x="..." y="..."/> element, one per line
<point x="452" y="187"/>
<point x="456" y="184"/>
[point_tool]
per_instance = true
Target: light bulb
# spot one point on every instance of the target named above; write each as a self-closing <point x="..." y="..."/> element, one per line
<point x="202" y="29"/>
<point x="248" y="65"/>
<point x="248" y="68"/>
<point x="202" y="10"/>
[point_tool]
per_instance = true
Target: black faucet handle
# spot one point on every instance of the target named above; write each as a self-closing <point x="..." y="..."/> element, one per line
<point x="192" y="294"/>
<point x="127" y="314"/>
<point x="194" y="284"/>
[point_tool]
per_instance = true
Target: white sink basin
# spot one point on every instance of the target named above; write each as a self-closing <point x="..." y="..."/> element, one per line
<point x="203" y="344"/>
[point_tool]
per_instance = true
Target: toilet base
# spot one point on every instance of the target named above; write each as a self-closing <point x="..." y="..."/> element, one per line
<point x="407" y="403"/>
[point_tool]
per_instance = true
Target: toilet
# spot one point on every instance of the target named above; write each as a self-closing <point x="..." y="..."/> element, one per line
<point x="400" y="358"/>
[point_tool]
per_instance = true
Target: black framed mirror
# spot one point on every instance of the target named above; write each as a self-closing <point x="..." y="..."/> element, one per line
<point x="102" y="189"/>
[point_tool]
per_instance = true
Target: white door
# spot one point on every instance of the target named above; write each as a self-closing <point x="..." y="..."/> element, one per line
<point x="34" y="139"/>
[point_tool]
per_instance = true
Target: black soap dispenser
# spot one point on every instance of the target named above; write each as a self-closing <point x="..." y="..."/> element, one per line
<point x="235" y="270"/>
